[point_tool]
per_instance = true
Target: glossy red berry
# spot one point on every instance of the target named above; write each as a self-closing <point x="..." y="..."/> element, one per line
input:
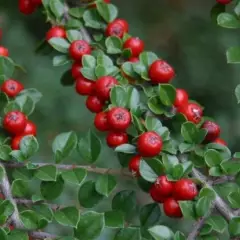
<point x="123" y="22"/>
<point x="224" y="1"/>
<point x="181" y="98"/>
<point x="37" y="2"/>
<point x="155" y="195"/>
<point x="84" y="86"/>
<point x="185" y="189"/>
<point x="171" y="208"/>
<point x="149" y="144"/>
<point x="78" y="49"/>
<point x="163" y="186"/>
<point x="26" y="6"/>
<point x="136" y="45"/>
<point x="30" y="129"/>
<point x="220" y="141"/>
<point x="56" y="32"/>
<point x="12" y="87"/>
<point x="119" y="119"/>
<point x="133" y="59"/>
<point x="134" y="165"/>
<point x="94" y="104"/>
<point x="101" y="122"/>
<point x="213" y="131"/>
<point x="15" y="122"/>
<point x="116" y="28"/>
<point x="103" y="87"/>
<point x="4" y="51"/>
<point x="15" y="143"/>
<point x="115" y="139"/>
<point x="76" y="70"/>
<point x="193" y="112"/>
<point x="161" y="72"/>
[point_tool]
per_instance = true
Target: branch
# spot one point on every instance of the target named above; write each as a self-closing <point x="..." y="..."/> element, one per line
<point x="120" y="172"/>
<point x="223" y="179"/>
<point x="42" y="235"/>
<point x="6" y="190"/>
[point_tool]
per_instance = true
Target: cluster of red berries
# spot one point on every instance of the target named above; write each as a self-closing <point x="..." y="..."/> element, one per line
<point x="15" y="122"/>
<point x="27" y="7"/>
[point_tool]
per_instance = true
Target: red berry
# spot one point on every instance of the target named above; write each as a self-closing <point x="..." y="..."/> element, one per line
<point x="163" y="186"/>
<point x="94" y="4"/>
<point x="11" y="227"/>
<point x="15" y="122"/>
<point x="161" y="72"/>
<point x="15" y="143"/>
<point x="30" y="129"/>
<point x="155" y="195"/>
<point x="76" y="70"/>
<point x="133" y="59"/>
<point x="224" y="1"/>
<point x="101" y="122"/>
<point x="181" y="98"/>
<point x="149" y="144"/>
<point x="26" y="6"/>
<point x="2" y="196"/>
<point x="135" y="44"/>
<point x="115" y="139"/>
<point x="37" y="2"/>
<point x="84" y="86"/>
<point x="3" y="51"/>
<point x="134" y="165"/>
<point x="213" y="131"/>
<point x="94" y="104"/>
<point x="185" y="189"/>
<point x="220" y="141"/>
<point x="119" y="119"/>
<point x="12" y="87"/>
<point x="103" y="87"/>
<point x="193" y="112"/>
<point x="57" y="31"/>
<point x="116" y="28"/>
<point x="123" y="22"/>
<point x="78" y="49"/>
<point x="171" y="208"/>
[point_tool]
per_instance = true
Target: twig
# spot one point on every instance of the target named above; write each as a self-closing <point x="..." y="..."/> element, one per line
<point x="42" y="235"/>
<point x="223" y="179"/>
<point x="121" y="172"/>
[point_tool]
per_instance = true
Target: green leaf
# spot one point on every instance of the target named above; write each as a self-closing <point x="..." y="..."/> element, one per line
<point x="44" y="211"/>
<point x="237" y="9"/>
<point x="2" y="172"/>
<point x="75" y="176"/>
<point x="33" y="93"/>
<point x="231" y="167"/>
<point x="228" y="20"/>
<point x="59" y="44"/>
<point x="119" y="96"/>
<point x="167" y="94"/>
<point x="20" y="188"/>
<point x="68" y="216"/>
<point x="3" y="235"/>
<point x="169" y="161"/>
<point x="6" y="208"/>
<point x="216" y="10"/>
<point x="29" y="146"/>
<point x="105" y="184"/>
<point x="6" y="66"/>
<point x="161" y="232"/>
<point x="237" y="93"/>
<point x="26" y="104"/>
<point x="186" y="147"/>
<point x="60" y="60"/>
<point x="130" y="233"/>
<point x="90" y="226"/>
<point x="18" y="155"/>
<point x="57" y="8"/>
<point x="207" y="192"/>
<point x="73" y="35"/>
<point x="88" y="196"/>
<point x="89" y="61"/>
<point x="92" y="19"/>
<point x="104" y="60"/>
<point x="127" y="68"/>
<point x="203" y="206"/>
<point x="234" y="199"/>
<point x="147" y="172"/>
<point x="147" y="58"/>
<point x="155" y="105"/>
<point x="233" y="55"/>
<point x="89" y="147"/>
<point x="234" y="227"/>
<point x="5" y="152"/>
<point x="179" y="236"/>
<point x="126" y="148"/>
<point x="16" y="235"/>
<point x="114" y="219"/>
<point x="63" y="145"/>
<point x="150" y="215"/>
<point x="52" y="190"/>
<point x="67" y="79"/>
<point x="76" y="12"/>
<point x="107" y="11"/>
<point x="125" y="201"/>
<point x="46" y="173"/>
<point x="134" y="99"/>
<point x="114" y="45"/>
<point x="89" y="73"/>
<point x="29" y="219"/>
<point x="218" y="223"/>
<point x="187" y="208"/>
<point x="152" y="123"/>
<point x="212" y="158"/>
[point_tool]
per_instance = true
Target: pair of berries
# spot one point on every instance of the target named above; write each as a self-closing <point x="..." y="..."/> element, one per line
<point x="12" y="88"/>
<point x="169" y="193"/>
<point x="17" y="124"/>
<point x="116" y="121"/>
<point x="28" y="6"/>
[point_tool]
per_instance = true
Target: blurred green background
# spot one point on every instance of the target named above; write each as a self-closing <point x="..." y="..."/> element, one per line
<point x="180" y="31"/>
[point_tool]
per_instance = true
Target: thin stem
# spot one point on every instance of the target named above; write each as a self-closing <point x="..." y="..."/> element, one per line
<point x="42" y="235"/>
<point x="120" y="172"/>
<point x="223" y="179"/>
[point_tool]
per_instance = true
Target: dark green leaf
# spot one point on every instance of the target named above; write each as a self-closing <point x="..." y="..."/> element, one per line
<point x="20" y="188"/>
<point x="161" y="232"/>
<point x="60" y="60"/>
<point x="119" y="96"/>
<point x="147" y="58"/>
<point x="129" y="233"/>
<point x="212" y="158"/>
<point x="187" y="208"/>
<point x="74" y="35"/>
<point x="5" y="152"/>
<point x="68" y="216"/>
<point x="114" y="45"/>
<point x="46" y="173"/>
<point x="57" y="7"/>
<point x="147" y="172"/>
<point x="60" y="44"/>
<point x="126" y="148"/>
<point x="107" y="11"/>
<point x="167" y="94"/>
<point x="105" y="184"/>
<point x="228" y="20"/>
<point x="234" y="199"/>
<point x="6" y="66"/>
<point x="150" y="215"/>
<point x="233" y="56"/>
<point x="26" y="104"/>
<point x="218" y="223"/>
<point x="75" y="176"/>
<point x="29" y="219"/>
<point x="93" y="19"/>
<point x="234" y="227"/>
<point x="114" y="219"/>
<point x="203" y="206"/>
